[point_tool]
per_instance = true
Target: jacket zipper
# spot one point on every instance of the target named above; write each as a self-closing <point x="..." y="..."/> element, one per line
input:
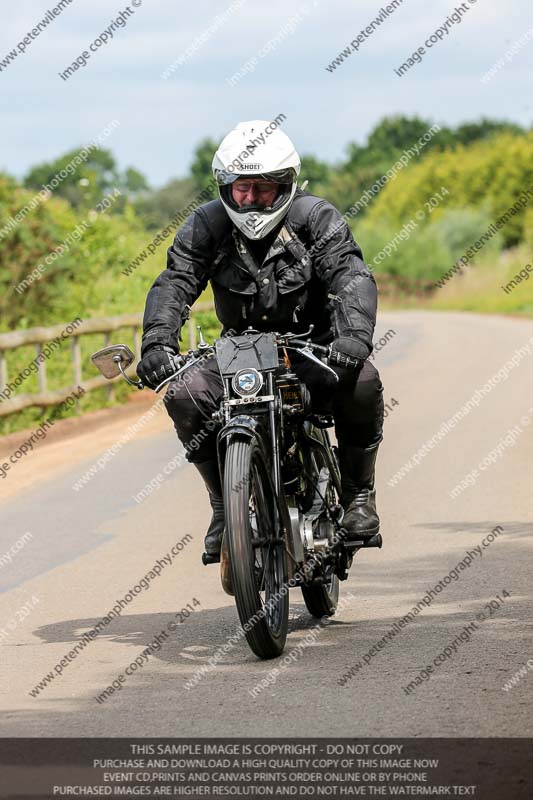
<point x="341" y="307"/>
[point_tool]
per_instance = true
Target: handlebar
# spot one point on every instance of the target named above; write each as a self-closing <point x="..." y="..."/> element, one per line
<point x="306" y="347"/>
<point x="333" y="358"/>
<point x="317" y="348"/>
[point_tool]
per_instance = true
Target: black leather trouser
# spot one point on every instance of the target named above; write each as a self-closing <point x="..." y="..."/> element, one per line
<point x="355" y="401"/>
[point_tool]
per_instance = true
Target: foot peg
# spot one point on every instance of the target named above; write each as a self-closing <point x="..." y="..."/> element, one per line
<point x="372" y="541"/>
<point x="210" y="558"/>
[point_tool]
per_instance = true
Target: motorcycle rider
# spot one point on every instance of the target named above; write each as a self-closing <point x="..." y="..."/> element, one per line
<point x="278" y="259"/>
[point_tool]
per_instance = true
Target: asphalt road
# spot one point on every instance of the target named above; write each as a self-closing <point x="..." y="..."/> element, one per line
<point x="88" y="548"/>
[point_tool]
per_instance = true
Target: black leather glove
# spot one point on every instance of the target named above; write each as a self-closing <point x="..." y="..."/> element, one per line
<point x="156" y="365"/>
<point x="347" y="352"/>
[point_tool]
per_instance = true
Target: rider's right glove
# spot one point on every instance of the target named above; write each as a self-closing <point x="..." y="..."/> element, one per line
<point x="156" y="365"/>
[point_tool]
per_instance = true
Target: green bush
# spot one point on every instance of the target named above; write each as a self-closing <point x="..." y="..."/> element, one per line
<point x="528" y="227"/>
<point x="484" y="166"/>
<point x="416" y="262"/>
<point x="460" y="227"/>
<point x="85" y="278"/>
<point x="488" y="175"/>
<point x="427" y="252"/>
<point x="498" y="285"/>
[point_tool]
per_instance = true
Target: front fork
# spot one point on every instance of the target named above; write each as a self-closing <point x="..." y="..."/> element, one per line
<point x="251" y="426"/>
<point x="274" y="433"/>
<point x="266" y="428"/>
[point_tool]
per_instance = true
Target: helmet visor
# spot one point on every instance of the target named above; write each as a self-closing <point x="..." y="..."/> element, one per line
<point x="226" y="177"/>
<point x="283" y="194"/>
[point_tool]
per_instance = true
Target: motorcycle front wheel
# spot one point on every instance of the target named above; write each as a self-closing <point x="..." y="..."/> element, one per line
<point x="256" y="548"/>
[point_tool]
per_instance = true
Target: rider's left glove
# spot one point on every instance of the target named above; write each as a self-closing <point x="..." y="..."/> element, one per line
<point x="156" y="365"/>
<point x="347" y="352"/>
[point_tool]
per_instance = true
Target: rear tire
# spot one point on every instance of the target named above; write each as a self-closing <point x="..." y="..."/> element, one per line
<point x="257" y="554"/>
<point x="321" y="601"/>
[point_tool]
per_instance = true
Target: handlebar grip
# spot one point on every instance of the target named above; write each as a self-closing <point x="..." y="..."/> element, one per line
<point x="337" y="359"/>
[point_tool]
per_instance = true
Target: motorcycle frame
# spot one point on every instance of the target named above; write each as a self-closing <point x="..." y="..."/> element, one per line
<point x="252" y="425"/>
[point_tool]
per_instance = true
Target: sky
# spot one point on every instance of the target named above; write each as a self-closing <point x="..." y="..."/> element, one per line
<point x="161" y="120"/>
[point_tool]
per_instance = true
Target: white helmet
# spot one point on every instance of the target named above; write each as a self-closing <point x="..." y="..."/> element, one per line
<point x="249" y="151"/>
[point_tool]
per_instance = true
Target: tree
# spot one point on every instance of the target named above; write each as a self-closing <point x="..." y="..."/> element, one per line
<point x="201" y="169"/>
<point x="488" y="175"/>
<point x="57" y="262"/>
<point x="85" y="184"/>
<point x="393" y="135"/>
<point x="470" y="132"/>
<point x="159" y="206"/>
<point x="134" y="182"/>
<point x="81" y="185"/>
<point x="314" y="171"/>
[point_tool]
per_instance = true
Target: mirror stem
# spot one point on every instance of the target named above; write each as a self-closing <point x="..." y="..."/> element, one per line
<point x="118" y="361"/>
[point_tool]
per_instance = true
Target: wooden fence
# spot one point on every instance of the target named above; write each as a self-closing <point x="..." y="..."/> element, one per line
<point x="39" y="337"/>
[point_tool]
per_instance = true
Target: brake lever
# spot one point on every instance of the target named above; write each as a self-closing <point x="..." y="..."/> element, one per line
<point x="288" y="336"/>
<point x="179" y="358"/>
<point x="308" y="353"/>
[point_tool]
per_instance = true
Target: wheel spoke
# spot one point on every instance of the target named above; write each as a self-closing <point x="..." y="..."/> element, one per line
<point x="258" y="562"/>
<point x="269" y="578"/>
<point x="266" y="562"/>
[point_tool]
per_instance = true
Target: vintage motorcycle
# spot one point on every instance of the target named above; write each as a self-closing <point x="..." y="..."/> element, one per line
<point x="280" y="478"/>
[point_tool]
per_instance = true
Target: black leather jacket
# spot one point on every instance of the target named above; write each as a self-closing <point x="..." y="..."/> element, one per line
<point x="312" y="273"/>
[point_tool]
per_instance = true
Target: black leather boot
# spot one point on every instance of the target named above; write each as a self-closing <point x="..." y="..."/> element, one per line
<point x="211" y="475"/>
<point x="358" y="499"/>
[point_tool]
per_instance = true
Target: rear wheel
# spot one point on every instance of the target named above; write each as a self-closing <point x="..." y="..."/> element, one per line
<point x="321" y="600"/>
<point x="256" y="548"/>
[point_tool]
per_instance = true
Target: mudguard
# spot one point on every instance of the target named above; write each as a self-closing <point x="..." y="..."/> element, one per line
<point x="244" y="425"/>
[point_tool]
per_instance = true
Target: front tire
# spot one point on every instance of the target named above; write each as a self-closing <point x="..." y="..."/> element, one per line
<point x="256" y="548"/>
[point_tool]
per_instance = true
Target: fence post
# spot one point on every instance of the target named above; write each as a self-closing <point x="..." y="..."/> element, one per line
<point x="3" y="371"/>
<point x="39" y="337"/>
<point x="192" y="332"/>
<point x="41" y="369"/>
<point x="137" y="342"/>
<point x="110" y="388"/>
<point x="76" y="361"/>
